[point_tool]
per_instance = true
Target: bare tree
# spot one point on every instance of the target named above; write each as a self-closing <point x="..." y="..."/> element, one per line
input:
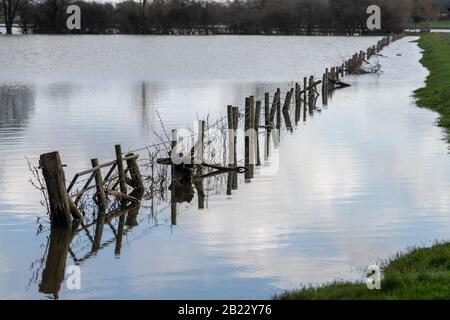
<point x="9" y="13"/>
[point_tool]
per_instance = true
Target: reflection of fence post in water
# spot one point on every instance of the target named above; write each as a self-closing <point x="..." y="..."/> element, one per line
<point x="101" y="201"/>
<point x="53" y="173"/>
<point x="55" y="266"/>
<point x="98" y="230"/>
<point x="120" y="230"/>
<point x="133" y="212"/>
<point x="287" y="121"/>
<point x="198" y="183"/>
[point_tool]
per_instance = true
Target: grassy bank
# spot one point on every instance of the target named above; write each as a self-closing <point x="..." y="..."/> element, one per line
<point x="421" y="273"/>
<point x="435" y="24"/>
<point x="436" y="94"/>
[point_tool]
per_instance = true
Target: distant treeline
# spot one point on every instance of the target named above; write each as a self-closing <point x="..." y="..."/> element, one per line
<point x="211" y="17"/>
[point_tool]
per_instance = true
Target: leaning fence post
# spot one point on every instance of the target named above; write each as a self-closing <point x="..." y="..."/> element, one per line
<point x="119" y="159"/>
<point x="136" y="179"/>
<point x="297" y="103"/>
<point x="101" y="196"/>
<point x="311" y="93"/>
<point x="287" y="101"/>
<point x="53" y="173"/>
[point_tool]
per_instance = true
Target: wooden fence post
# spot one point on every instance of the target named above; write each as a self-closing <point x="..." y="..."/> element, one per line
<point x="298" y="104"/>
<point x="122" y="179"/>
<point x="234" y="184"/>
<point x="197" y="152"/>
<point x="305" y="88"/>
<point x="311" y="93"/>
<point x="136" y="179"/>
<point x="231" y="152"/>
<point x="287" y="101"/>
<point x="267" y="124"/>
<point x="247" y="138"/>
<point x="266" y="109"/>
<point x="256" y="126"/>
<point x="252" y="135"/>
<point x="231" y="134"/>
<point x="273" y="109"/>
<point x="53" y="173"/>
<point x="173" y="204"/>
<point x="278" y="108"/>
<point x="101" y="196"/>
<point x="324" y="89"/>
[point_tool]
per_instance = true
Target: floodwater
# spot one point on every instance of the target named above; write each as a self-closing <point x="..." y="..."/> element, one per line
<point x="360" y="180"/>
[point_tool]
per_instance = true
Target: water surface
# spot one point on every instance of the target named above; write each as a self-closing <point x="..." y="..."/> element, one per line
<point x="365" y="177"/>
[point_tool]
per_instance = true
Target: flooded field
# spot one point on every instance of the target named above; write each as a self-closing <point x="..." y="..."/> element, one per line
<point x="358" y="180"/>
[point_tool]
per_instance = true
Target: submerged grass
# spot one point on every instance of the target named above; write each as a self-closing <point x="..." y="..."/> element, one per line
<point x="421" y="273"/>
<point x="436" y="94"/>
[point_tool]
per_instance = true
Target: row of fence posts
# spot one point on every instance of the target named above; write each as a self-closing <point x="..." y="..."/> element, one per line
<point x="63" y="208"/>
<point x="61" y="205"/>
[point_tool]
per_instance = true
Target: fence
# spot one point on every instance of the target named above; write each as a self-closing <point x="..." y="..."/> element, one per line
<point x="124" y="171"/>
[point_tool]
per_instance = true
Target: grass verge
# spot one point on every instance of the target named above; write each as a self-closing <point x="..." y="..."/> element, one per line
<point x="421" y="273"/>
<point x="436" y="94"/>
<point x="435" y="24"/>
